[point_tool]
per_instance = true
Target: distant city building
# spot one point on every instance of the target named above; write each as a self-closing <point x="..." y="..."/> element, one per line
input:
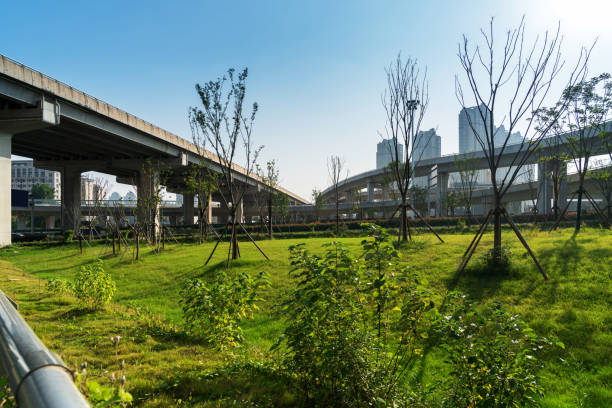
<point x="129" y="196"/>
<point x="471" y="125"/>
<point x="24" y="175"/>
<point x="385" y="153"/>
<point x="500" y="137"/>
<point x="427" y="145"/>
<point x="87" y="188"/>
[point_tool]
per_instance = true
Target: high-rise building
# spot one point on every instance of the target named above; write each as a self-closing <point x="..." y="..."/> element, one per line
<point x="471" y="123"/>
<point x="88" y="187"/>
<point x="468" y="142"/>
<point x="24" y="175"/>
<point x="500" y="137"/>
<point x="427" y="145"/>
<point x="385" y="153"/>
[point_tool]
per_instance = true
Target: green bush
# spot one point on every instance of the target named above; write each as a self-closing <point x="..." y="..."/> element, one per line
<point x="355" y="324"/>
<point x="494" y="357"/>
<point x="93" y="286"/>
<point x="214" y="310"/>
<point x="497" y="258"/>
<point x="68" y="235"/>
<point x="59" y="287"/>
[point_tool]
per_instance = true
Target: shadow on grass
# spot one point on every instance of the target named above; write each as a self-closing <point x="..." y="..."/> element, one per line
<point x="563" y="259"/>
<point x="77" y="312"/>
<point x="245" y="383"/>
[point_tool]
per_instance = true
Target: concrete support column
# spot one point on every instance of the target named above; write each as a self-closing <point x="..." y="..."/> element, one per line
<point x="370" y="191"/>
<point x="209" y="216"/>
<point x="544" y="189"/>
<point x="50" y="222"/>
<point x="148" y="209"/>
<point x="71" y="199"/>
<point x="441" y="191"/>
<point x="188" y="212"/>
<point x="563" y="187"/>
<point x="5" y="189"/>
<point x="240" y="212"/>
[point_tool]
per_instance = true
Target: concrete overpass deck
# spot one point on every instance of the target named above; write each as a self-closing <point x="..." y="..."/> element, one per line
<point x="67" y="130"/>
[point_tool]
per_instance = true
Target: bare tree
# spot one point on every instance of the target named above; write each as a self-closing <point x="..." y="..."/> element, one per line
<point x="152" y="177"/>
<point x="223" y="123"/>
<point x="270" y="177"/>
<point x="532" y="184"/>
<point x="335" y="169"/>
<point x="201" y="182"/>
<point x="405" y="102"/>
<point x="602" y="178"/>
<point x="95" y="206"/>
<point x="553" y="157"/>
<point x="582" y="119"/>
<point x="452" y="200"/>
<point x="508" y="82"/>
<point x="468" y="178"/>
<point x="318" y="201"/>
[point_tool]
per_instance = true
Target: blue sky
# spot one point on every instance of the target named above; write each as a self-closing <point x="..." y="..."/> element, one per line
<point x="316" y="68"/>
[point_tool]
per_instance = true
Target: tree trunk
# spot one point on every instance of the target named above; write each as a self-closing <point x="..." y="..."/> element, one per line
<point x="137" y="244"/>
<point x="114" y="253"/>
<point x="337" y="217"/>
<point x="497" y="239"/>
<point x="403" y="219"/>
<point x="270" y="215"/>
<point x="118" y="232"/>
<point x="234" y="244"/>
<point x="579" y="207"/>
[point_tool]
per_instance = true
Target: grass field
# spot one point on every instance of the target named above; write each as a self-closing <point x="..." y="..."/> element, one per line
<point x="166" y="367"/>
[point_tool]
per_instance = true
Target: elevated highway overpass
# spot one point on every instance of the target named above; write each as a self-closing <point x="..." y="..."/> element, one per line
<point x="67" y="130"/>
<point x="375" y="185"/>
<point x="382" y="205"/>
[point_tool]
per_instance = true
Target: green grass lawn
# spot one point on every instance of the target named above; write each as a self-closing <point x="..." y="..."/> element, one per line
<point x="167" y="368"/>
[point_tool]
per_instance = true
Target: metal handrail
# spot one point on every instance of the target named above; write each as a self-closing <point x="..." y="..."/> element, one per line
<point x="37" y="377"/>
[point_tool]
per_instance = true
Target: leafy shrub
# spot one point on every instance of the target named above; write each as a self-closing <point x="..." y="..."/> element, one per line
<point x="68" y="235"/>
<point x="6" y="399"/>
<point x="59" y="287"/>
<point x="93" y="286"/>
<point x="101" y="396"/>
<point x="355" y="323"/>
<point x="497" y="258"/>
<point x="214" y="310"/>
<point x="494" y="357"/>
<point x="461" y="224"/>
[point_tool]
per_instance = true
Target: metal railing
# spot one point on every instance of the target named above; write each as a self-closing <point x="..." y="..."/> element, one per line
<point x="37" y="377"/>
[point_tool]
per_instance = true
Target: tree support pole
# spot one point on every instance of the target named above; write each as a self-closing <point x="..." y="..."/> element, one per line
<point x="597" y="209"/>
<point x="556" y="224"/>
<point x="426" y="223"/>
<point x="520" y="237"/>
<point x="253" y="241"/>
<point x="485" y="222"/>
<point x="471" y="252"/>
<point x="394" y="212"/>
<point x="216" y="245"/>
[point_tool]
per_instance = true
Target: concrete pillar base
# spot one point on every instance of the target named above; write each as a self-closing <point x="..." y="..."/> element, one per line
<point x="50" y="222"/>
<point x="71" y="199"/>
<point x="441" y="192"/>
<point x="5" y="189"/>
<point x="188" y="209"/>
